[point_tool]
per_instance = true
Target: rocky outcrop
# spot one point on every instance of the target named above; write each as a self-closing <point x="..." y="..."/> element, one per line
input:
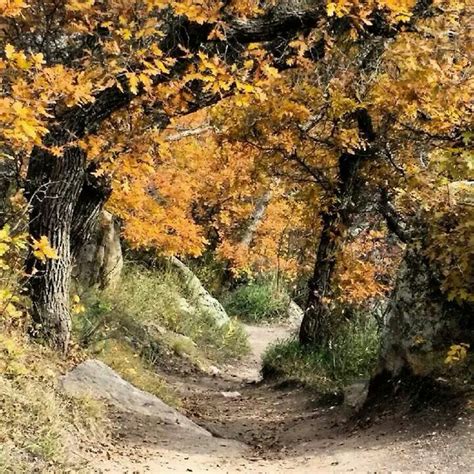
<point x="421" y="323"/>
<point x="99" y="262"/>
<point x="294" y="314"/>
<point x="94" y="378"/>
<point x="199" y="298"/>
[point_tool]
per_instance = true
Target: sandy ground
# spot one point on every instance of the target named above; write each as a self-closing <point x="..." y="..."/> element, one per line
<point x="270" y="429"/>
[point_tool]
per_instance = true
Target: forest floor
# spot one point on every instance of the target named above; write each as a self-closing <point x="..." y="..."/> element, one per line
<point x="273" y="428"/>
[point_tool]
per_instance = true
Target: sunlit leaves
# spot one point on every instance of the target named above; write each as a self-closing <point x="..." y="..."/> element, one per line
<point x="11" y="246"/>
<point x="361" y="11"/>
<point x="76" y="305"/>
<point x="43" y="250"/>
<point x="199" y="11"/>
<point x="456" y="354"/>
<point x="12" y="8"/>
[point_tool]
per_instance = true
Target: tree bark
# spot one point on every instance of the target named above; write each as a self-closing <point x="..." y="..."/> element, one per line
<point x="256" y="218"/>
<point x="53" y="187"/>
<point x="315" y="325"/>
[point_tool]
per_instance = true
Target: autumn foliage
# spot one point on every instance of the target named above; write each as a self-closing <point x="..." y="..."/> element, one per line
<point x="192" y="115"/>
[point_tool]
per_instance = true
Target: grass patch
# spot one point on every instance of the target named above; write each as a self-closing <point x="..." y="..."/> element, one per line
<point x="121" y="357"/>
<point x="256" y="302"/>
<point x="149" y="312"/>
<point x="40" y="427"/>
<point x="351" y="355"/>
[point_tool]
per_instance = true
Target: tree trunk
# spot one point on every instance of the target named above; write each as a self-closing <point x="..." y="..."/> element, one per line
<point x="62" y="202"/>
<point x="53" y="187"/>
<point x="315" y="325"/>
<point x="256" y="218"/>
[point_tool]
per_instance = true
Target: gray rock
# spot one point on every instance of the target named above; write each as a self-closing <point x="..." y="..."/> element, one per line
<point x="294" y="314"/>
<point x="231" y="394"/>
<point x="355" y="395"/>
<point x="100" y="261"/>
<point x="96" y="379"/>
<point x="200" y="297"/>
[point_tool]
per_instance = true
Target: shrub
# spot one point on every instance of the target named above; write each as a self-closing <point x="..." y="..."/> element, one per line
<point x="256" y="302"/>
<point x="211" y="272"/>
<point x="350" y="355"/>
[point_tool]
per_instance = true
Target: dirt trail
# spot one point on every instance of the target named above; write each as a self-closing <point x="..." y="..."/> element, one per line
<point x="262" y="428"/>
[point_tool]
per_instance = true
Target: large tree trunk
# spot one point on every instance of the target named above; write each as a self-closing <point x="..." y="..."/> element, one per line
<point x="62" y="202"/>
<point x="316" y="321"/>
<point x="53" y="186"/>
<point x="315" y="327"/>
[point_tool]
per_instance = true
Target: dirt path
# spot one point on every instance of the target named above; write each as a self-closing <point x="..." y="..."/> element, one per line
<point x="264" y="429"/>
<point x="260" y="338"/>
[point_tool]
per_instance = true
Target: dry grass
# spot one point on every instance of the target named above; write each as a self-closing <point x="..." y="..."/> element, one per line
<point x="40" y="427"/>
<point x="121" y="357"/>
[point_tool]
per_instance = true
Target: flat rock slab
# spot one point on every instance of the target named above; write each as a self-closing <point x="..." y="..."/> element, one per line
<point x="98" y="380"/>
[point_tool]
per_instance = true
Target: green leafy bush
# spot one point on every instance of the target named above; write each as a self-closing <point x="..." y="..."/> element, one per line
<point x="350" y="355"/>
<point x="257" y="301"/>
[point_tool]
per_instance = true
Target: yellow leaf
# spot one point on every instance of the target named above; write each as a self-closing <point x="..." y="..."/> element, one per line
<point x="9" y="51"/>
<point x="42" y="250"/>
<point x="133" y="82"/>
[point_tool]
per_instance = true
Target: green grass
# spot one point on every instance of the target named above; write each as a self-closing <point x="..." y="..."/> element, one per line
<point x="148" y="310"/>
<point x="256" y="302"/>
<point x="350" y="355"/>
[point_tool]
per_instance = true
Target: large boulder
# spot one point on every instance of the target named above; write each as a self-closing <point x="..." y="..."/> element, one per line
<point x="100" y="262"/>
<point x="421" y="323"/>
<point x="200" y="298"/>
<point x="94" y="378"/>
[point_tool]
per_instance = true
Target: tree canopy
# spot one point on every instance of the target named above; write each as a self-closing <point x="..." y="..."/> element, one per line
<point x="265" y="132"/>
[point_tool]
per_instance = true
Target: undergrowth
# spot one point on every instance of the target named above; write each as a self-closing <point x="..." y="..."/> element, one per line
<point x="40" y="426"/>
<point x="350" y="355"/>
<point x="257" y="301"/>
<point x="148" y="314"/>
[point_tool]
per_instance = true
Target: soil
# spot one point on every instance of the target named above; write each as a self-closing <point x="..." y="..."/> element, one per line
<point x="277" y="428"/>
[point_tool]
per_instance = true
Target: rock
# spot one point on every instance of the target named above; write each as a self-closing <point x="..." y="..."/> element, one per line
<point x="231" y="394"/>
<point x="421" y="321"/>
<point x="201" y="298"/>
<point x="185" y="307"/>
<point x="213" y="370"/>
<point x="96" y="379"/>
<point x="294" y="314"/>
<point x="100" y="262"/>
<point x="355" y="395"/>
